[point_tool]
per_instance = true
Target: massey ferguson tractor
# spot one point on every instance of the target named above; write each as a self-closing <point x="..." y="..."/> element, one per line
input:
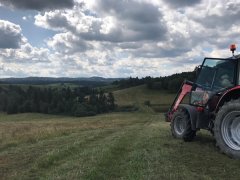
<point x="214" y="104"/>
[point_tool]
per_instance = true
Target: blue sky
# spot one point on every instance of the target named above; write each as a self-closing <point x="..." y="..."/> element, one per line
<point x="35" y="34"/>
<point x="80" y="38"/>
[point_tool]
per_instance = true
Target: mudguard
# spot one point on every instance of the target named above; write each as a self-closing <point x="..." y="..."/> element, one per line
<point x="233" y="93"/>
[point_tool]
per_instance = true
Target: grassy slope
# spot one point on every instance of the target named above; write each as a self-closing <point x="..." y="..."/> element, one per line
<point x="136" y="96"/>
<point x="139" y="94"/>
<point x="112" y="146"/>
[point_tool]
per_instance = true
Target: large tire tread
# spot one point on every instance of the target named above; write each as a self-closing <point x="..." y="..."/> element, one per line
<point x="189" y="134"/>
<point x="232" y="105"/>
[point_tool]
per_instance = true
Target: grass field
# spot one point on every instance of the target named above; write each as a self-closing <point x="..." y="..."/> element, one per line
<point x="110" y="146"/>
<point x="133" y="145"/>
<point x="136" y="96"/>
<point x="140" y="94"/>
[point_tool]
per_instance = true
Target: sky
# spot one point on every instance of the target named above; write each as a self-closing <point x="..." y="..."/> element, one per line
<point x="113" y="38"/>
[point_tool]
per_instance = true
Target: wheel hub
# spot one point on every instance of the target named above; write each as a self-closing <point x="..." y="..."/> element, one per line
<point x="180" y="125"/>
<point x="230" y="130"/>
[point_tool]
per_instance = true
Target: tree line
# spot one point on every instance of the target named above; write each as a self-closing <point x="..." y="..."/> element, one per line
<point x="170" y="83"/>
<point x="78" y="101"/>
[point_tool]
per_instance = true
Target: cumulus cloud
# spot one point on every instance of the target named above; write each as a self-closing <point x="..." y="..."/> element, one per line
<point x="113" y="21"/>
<point x="38" y="4"/>
<point x="52" y="20"/>
<point x="68" y="43"/>
<point x="25" y="61"/>
<point x="15" y="48"/>
<point x="219" y="15"/>
<point x="25" y="54"/>
<point x="136" y="20"/>
<point x="126" y="38"/>
<point x="109" y="33"/>
<point x="181" y="3"/>
<point x="10" y="35"/>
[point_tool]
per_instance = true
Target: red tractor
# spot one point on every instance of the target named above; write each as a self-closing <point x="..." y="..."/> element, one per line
<point x="214" y="104"/>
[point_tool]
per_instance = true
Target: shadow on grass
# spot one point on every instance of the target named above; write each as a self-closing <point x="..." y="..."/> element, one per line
<point x="204" y="139"/>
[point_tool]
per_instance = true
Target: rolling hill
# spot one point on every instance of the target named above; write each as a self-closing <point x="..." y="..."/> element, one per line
<point x="92" y="81"/>
<point x="140" y="94"/>
<point x="144" y="99"/>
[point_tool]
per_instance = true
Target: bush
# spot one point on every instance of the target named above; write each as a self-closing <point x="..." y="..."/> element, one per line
<point x="80" y="110"/>
<point x="127" y="108"/>
<point x="147" y="103"/>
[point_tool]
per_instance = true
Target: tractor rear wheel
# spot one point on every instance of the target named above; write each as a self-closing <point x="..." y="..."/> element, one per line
<point x="181" y="126"/>
<point x="227" y="129"/>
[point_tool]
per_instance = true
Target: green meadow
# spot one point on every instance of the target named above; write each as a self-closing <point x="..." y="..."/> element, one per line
<point x="121" y="145"/>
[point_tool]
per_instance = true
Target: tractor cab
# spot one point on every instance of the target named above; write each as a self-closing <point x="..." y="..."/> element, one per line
<point x="217" y="74"/>
<point x="215" y="77"/>
<point x="214" y="104"/>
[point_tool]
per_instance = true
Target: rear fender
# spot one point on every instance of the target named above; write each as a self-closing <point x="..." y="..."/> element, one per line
<point x="233" y="93"/>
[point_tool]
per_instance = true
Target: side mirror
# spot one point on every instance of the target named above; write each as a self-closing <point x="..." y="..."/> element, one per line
<point x="197" y="69"/>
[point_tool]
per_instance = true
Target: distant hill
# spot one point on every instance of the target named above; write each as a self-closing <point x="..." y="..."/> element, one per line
<point x="168" y="83"/>
<point x="92" y="81"/>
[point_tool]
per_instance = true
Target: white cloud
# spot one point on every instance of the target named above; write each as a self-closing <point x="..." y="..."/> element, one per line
<point x="182" y="3"/>
<point x="55" y="20"/>
<point x="17" y="56"/>
<point x="10" y="35"/>
<point x="68" y="43"/>
<point x="107" y="25"/>
<point x="143" y="21"/>
<point x="38" y="5"/>
<point x="24" y="55"/>
<point x="127" y="38"/>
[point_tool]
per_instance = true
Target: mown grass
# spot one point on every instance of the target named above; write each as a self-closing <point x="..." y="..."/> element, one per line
<point x="110" y="146"/>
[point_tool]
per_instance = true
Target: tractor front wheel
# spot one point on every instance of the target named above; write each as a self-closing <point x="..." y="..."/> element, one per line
<point x="227" y="129"/>
<point x="181" y="126"/>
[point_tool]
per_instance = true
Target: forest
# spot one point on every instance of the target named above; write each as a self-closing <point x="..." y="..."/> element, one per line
<point x="169" y="83"/>
<point x="77" y="101"/>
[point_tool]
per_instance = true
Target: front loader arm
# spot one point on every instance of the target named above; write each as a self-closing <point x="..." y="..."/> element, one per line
<point x="183" y="91"/>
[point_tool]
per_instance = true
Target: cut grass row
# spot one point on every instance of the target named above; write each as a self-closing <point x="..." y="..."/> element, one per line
<point x="112" y="146"/>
